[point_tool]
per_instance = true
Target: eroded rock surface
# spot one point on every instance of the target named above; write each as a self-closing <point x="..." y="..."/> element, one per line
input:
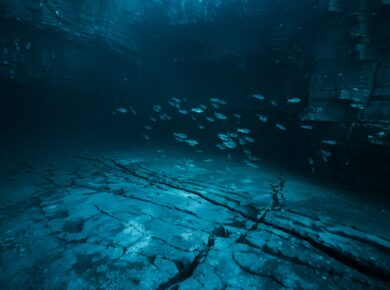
<point x="118" y="222"/>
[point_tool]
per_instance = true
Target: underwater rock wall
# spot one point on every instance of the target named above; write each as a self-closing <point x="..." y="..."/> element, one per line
<point x="349" y="89"/>
<point x="333" y="54"/>
<point x="57" y="46"/>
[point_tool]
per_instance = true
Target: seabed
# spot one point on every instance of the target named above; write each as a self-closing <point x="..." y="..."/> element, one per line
<point x="166" y="220"/>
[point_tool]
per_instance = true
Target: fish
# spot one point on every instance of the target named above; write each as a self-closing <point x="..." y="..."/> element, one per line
<point x="238" y="116"/>
<point x="176" y="100"/>
<point x="243" y="130"/>
<point x="249" y="139"/>
<point x="133" y="111"/>
<point x="191" y="142"/>
<point x="173" y="104"/>
<point x="230" y="144"/>
<point x="220" y="116"/>
<point x="201" y="127"/>
<point x="210" y="119"/>
<point x="258" y="97"/>
<point x="357" y="106"/>
<point x="247" y="162"/>
<point x="152" y="119"/>
<point x="179" y="167"/>
<point x="189" y="164"/>
<point x="311" y="161"/>
<point x="147" y="137"/>
<point x="215" y="105"/>
<point x="262" y="118"/>
<point x="197" y="110"/>
<point x="233" y="135"/>
<point x="325" y="155"/>
<point x="157" y="108"/>
<point x="180" y="136"/>
<point x="247" y="151"/>
<point x="147" y="127"/>
<point x="274" y="103"/>
<point x="227" y="140"/>
<point x="183" y="111"/>
<point x="208" y="160"/>
<point x="281" y="127"/>
<point x="218" y="101"/>
<point x="307" y="127"/>
<point x="329" y="142"/>
<point x="252" y="158"/>
<point x="121" y="110"/>
<point x="165" y="117"/>
<point x="242" y="141"/>
<point x="221" y="146"/>
<point x="294" y="100"/>
<point x="381" y="134"/>
<point x="224" y="137"/>
<point x="375" y="140"/>
<point x="203" y="107"/>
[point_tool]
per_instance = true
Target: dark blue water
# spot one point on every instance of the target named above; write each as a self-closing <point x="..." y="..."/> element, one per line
<point x="225" y="112"/>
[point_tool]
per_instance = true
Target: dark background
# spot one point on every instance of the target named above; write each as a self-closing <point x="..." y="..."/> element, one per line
<point x="66" y="65"/>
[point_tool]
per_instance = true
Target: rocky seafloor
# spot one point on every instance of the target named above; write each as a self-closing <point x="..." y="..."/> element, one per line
<point x="142" y="220"/>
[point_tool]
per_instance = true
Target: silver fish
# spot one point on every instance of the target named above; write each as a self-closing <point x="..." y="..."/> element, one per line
<point x="133" y="111"/>
<point x="191" y="142"/>
<point x="221" y="146"/>
<point x="247" y="162"/>
<point x="183" y="111"/>
<point x="220" y="116"/>
<point x="197" y="110"/>
<point x="157" y="108"/>
<point x="243" y="141"/>
<point x="325" y="155"/>
<point x="307" y="127"/>
<point x="262" y="118"/>
<point x="230" y="144"/>
<point x="243" y="130"/>
<point x="281" y="127"/>
<point x="329" y="142"/>
<point x="218" y="101"/>
<point x="180" y="136"/>
<point x="121" y="110"/>
<point x="294" y="100"/>
<point x="249" y="139"/>
<point x="258" y="97"/>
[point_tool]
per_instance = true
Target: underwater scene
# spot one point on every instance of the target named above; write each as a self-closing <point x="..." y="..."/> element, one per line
<point x="194" y="144"/>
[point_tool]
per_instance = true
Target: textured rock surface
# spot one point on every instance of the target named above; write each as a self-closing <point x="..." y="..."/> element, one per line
<point x="157" y="221"/>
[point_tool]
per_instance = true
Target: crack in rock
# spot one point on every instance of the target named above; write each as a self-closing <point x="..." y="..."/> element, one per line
<point x="178" y="187"/>
<point x="187" y="271"/>
<point x="348" y="260"/>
